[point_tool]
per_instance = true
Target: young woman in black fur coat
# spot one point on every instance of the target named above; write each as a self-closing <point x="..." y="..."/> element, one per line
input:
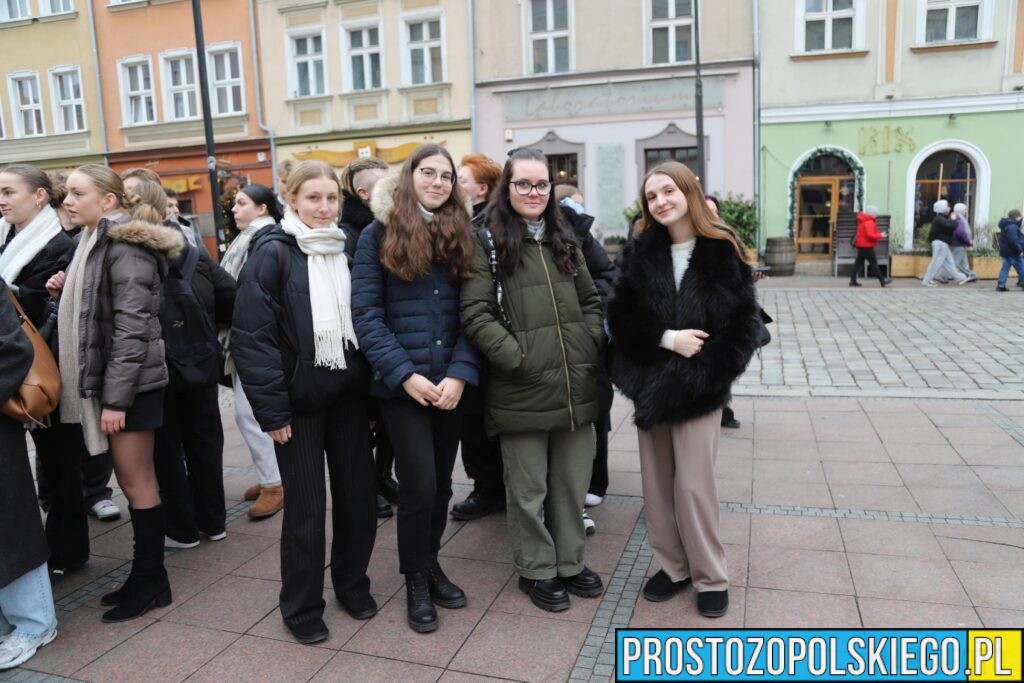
<point x="683" y="326"/>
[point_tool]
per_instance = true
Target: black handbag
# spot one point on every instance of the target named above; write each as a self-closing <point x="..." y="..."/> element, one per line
<point x="764" y="336"/>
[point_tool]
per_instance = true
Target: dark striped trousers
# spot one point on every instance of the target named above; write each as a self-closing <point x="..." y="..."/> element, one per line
<point x="341" y="431"/>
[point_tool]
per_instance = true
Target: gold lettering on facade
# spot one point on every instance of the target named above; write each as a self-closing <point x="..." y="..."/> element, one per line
<point x="885" y="140"/>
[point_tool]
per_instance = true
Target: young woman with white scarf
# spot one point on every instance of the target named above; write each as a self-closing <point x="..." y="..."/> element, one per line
<point x="255" y="209"/>
<point x="296" y="354"/>
<point x="111" y="358"/>
<point x="410" y="265"/>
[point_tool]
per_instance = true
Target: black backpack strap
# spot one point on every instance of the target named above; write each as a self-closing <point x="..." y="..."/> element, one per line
<point x="188" y="268"/>
<point x="284" y="262"/>
<point x="484" y="234"/>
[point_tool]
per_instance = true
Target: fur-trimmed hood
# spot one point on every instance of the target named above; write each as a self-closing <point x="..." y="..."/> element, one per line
<point x="382" y="200"/>
<point x="158" y="239"/>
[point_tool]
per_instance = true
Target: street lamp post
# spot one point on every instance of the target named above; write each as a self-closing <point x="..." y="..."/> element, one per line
<point x="211" y="153"/>
<point x="699" y="98"/>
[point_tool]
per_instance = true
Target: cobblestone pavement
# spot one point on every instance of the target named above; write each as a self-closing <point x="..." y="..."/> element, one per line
<point x="877" y="480"/>
<point x="909" y="342"/>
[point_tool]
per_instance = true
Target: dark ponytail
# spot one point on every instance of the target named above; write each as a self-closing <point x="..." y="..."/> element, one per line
<point x="263" y="195"/>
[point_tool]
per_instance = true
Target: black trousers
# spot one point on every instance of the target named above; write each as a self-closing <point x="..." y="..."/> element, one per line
<point x="61" y="450"/>
<point x="599" y="473"/>
<point x="341" y="432"/>
<point x="869" y="256"/>
<point x="426" y="441"/>
<point x="481" y="456"/>
<point x="189" y="459"/>
<point x="96" y="473"/>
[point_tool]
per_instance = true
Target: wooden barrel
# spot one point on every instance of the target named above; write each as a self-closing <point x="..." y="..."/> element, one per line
<point x="780" y="254"/>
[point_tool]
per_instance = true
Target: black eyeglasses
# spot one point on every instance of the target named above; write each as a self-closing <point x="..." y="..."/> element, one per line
<point x="431" y="175"/>
<point x="525" y="187"/>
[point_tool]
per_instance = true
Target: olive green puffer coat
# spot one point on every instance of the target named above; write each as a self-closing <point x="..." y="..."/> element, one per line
<point x="542" y="376"/>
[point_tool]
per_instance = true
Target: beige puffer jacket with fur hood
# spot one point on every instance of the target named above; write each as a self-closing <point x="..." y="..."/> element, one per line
<point x="120" y="350"/>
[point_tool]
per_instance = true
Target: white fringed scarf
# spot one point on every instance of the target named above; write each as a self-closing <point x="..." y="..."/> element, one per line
<point x="29" y="241"/>
<point x="330" y="289"/>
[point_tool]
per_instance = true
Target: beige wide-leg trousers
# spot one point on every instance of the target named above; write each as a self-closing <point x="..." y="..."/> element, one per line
<point x="677" y="468"/>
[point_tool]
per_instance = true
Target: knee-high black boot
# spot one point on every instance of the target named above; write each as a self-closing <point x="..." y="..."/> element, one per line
<point x="147" y="585"/>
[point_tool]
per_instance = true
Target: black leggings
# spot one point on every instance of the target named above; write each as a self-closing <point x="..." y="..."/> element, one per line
<point x="869" y="256"/>
<point x="426" y="441"/>
<point x="61" y="449"/>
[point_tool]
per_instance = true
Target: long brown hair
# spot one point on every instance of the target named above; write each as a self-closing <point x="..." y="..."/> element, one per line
<point x="108" y="182"/>
<point x="411" y="244"/>
<point x="705" y="223"/>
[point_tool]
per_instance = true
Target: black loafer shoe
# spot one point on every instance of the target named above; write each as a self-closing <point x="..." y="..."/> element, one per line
<point x="309" y="632"/>
<point x="359" y="607"/>
<point x="548" y="594"/>
<point x="383" y="508"/>
<point x="713" y="603"/>
<point x="855" y="284"/>
<point x="731" y="424"/>
<point x="660" y="587"/>
<point x="476" y="506"/>
<point x="586" y="584"/>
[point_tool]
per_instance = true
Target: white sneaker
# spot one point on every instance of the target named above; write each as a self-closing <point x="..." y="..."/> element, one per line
<point x="588" y="524"/>
<point x="105" y="510"/>
<point x="171" y="543"/>
<point x="216" y="537"/>
<point x="18" y="648"/>
<point x="592" y="501"/>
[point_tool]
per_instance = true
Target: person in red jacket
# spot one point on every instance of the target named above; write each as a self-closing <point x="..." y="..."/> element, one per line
<point x="865" y="241"/>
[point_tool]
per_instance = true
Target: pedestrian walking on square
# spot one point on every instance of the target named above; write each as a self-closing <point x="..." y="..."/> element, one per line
<point x="684" y="324"/>
<point x="1011" y="247"/>
<point x="941" y="237"/>
<point x="111" y="358"/>
<point x="481" y="454"/>
<point x="532" y="309"/>
<point x="357" y="183"/>
<point x="866" y="239"/>
<point x="28" y="619"/>
<point x="296" y="354"/>
<point x="255" y="209"/>
<point x="962" y="240"/>
<point x="410" y="265"/>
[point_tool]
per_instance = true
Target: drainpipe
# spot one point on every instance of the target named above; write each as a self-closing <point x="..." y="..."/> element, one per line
<point x="259" y="96"/>
<point x="756" y="7"/>
<point x="472" y="76"/>
<point x="99" y="84"/>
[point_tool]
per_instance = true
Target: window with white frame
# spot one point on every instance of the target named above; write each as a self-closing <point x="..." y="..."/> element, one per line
<point x="68" y="101"/>
<point x="225" y="69"/>
<point x="828" y="25"/>
<point x="671" y="31"/>
<point x="2" y="133"/>
<point x="12" y="10"/>
<point x="951" y="20"/>
<point x="179" y="83"/>
<point x="426" y="61"/>
<point x="137" y="93"/>
<point x="51" y="7"/>
<point x="26" y="104"/>
<point x="363" y="65"/>
<point x="307" y="52"/>
<point x="549" y="36"/>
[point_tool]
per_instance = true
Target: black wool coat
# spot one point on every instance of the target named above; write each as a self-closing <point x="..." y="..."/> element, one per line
<point x="22" y="541"/>
<point x="716" y="296"/>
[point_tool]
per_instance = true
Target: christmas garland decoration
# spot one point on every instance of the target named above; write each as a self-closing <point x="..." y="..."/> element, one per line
<point x="825" y="150"/>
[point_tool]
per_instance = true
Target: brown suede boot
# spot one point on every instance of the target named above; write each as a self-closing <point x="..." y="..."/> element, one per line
<point x="270" y="501"/>
<point x="252" y="493"/>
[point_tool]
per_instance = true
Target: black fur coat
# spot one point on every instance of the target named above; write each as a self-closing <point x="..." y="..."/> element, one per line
<point x="717" y="296"/>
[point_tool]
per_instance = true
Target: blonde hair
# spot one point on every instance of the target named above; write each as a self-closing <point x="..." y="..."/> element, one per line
<point x="309" y="170"/>
<point x="108" y="182"/>
<point x="564" y="190"/>
<point x="141" y="174"/>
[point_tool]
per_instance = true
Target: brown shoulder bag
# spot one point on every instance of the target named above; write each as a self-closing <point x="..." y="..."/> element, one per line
<point x="39" y="392"/>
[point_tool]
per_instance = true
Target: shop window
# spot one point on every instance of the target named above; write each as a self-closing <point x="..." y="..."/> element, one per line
<point x="68" y="102"/>
<point x="424" y="51"/>
<point x="137" y="92"/>
<point x="671" y="31"/>
<point x="307" y="68"/>
<point x="951" y="20"/>
<point x="225" y="69"/>
<point x="12" y="10"/>
<point x="364" y="55"/>
<point x="26" y="105"/>
<point x="564" y="169"/>
<point x="684" y="155"/>
<point x="548" y="36"/>
<point x="179" y="82"/>
<point x="947" y="175"/>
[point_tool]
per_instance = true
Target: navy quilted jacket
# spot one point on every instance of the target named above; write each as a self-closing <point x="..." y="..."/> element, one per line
<point x="407" y="327"/>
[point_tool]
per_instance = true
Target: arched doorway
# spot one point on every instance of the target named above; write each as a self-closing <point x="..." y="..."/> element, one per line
<point x="947" y="174"/>
<point x="824" y="183"/>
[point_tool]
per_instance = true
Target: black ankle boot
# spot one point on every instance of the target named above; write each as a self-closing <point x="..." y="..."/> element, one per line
<point x="148" y="586"/>
<point x="422" y="615"/>
<point x="114" y="597"/>
<point x="442" y="591"/>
